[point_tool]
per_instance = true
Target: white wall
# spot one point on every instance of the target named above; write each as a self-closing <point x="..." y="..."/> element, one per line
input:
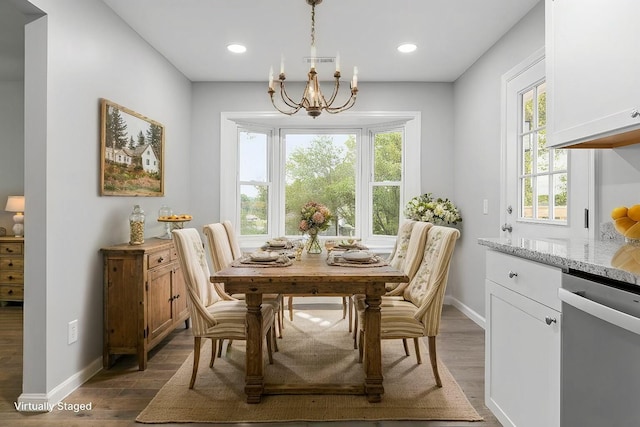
<point x="81" y="52"/>
<point x="434" y="100"/>
<point x="477" y="154"/>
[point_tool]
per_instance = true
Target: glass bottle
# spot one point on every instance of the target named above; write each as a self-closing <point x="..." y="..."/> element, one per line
<point x="165" y="212"/>
<point x="136" y="226"/>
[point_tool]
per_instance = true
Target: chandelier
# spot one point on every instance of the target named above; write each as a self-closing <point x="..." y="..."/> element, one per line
<point x="313" y="101"/>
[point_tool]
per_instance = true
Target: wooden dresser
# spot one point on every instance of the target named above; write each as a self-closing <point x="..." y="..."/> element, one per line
<point x="11" y="268"/>
<point x="144" y="298"/>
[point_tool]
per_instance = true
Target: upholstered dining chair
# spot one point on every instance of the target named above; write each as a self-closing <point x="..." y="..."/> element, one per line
<point x="416" y="313"/>
<point x="224" y="249"/>
<point x="212" y="317"/>
<point x="412" y="238"/>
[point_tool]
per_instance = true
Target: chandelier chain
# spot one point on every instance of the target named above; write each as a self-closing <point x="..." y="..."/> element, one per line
<point x="313" y="24"/>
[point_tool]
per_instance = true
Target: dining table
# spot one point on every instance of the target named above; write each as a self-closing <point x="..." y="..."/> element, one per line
<point x="314" y="274"/>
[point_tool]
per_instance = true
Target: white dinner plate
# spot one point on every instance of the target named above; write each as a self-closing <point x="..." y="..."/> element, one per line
<point x="360" y="256"/>
<point x="264" y="256"/>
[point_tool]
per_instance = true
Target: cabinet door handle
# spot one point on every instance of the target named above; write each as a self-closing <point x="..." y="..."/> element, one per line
<point x="635" y="113"/>
<point x="550" y="320"/>
<point x="512" y="274"/>
<point x="9" y="250"/>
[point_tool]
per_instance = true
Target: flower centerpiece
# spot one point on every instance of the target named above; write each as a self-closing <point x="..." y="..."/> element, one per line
<point x="438" y="211"/>
<point x="314" y="217"/>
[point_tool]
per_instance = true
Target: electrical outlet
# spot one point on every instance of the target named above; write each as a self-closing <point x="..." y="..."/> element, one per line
<point x="73" y="331"/>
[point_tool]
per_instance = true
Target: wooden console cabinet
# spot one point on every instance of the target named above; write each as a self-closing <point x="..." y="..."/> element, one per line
<point x="144" y="298"/>
<point x="11" y="268"/>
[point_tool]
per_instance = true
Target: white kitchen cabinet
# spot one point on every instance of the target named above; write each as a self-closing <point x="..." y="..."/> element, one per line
<point x="522" y="341"/>
<point x="593" y="72"/>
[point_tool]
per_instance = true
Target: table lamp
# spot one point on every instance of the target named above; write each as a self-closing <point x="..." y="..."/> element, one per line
<point x="16" y="204"/>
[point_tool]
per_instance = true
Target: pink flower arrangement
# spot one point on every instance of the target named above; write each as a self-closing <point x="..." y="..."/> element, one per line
<point x="314" y="216"/>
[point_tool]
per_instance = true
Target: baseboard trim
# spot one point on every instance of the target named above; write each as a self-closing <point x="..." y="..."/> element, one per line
<point x="45" y="402"/>
<point x="466" y="310"/>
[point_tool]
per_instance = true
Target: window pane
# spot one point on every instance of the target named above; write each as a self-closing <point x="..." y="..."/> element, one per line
<point x="542" y="105"/>
<point x="386" y="210"/>
<point x="387" y="156"/>
<point x="542" y="188"/>
<point x="527" y="155"/>
<point x="252" y="153"/>
<point x="320" y="168"/>
<point x="253" y="209"/>
<point x="559" y="159"/>
<point x="527" y="111"/>
<point x="560" y="196"/>
<point x="542" y="160"/>
<point x="527" y="198"/>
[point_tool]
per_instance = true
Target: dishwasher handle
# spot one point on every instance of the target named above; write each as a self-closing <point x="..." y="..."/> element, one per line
<point x="608" y="314"/>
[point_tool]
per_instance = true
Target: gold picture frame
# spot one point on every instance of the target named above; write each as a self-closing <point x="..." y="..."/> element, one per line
<point x="131" y="153"/>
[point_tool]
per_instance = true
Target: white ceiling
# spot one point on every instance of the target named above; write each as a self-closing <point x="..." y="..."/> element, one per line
<point x="193" y="34"/>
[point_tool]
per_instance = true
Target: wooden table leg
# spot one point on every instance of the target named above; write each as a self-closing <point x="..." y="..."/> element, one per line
<point x="373" y="354"/>
<point x="254" y="380"/>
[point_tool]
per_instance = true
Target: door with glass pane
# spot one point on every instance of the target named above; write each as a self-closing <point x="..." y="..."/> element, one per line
<point x="546" y="191"/>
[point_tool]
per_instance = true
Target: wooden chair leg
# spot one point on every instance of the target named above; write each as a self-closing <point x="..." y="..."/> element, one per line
<point x="434" y="360"/>
<point x="281" y="317"/>
<point x="220" y="347"/>
<point x="344" y="307"/>
<point x="196" y="359"/>
<point x="269" y="349"/>
<point x="291" y="308"/>
<point x="274" y="337"/>
<point x="350" y="313"/>
<point x="406" y="347"/>
<point x="214" y="344"/>
<point x="361" y="347"/>
<point x="355" y="324"/>
<point x="416" y="344"/>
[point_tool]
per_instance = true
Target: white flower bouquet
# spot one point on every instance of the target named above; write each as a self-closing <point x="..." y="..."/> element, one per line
<point x="438" y="211"/>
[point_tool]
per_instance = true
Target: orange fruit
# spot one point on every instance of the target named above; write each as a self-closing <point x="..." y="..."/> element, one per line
<point x="634" y="212"/>
<point x="619" y="212"/>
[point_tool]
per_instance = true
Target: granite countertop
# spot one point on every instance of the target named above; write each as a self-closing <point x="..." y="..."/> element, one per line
<point x="610" y="258"/>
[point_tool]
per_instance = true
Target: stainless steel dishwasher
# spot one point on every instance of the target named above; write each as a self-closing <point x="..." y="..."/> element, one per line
<point x="600" y="362"/>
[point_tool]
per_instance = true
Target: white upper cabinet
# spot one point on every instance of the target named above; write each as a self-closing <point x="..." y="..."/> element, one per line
<point x="593" y="72"/>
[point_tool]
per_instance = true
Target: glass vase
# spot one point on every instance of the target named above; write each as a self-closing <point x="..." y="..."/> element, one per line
<point x="313" y="247"/>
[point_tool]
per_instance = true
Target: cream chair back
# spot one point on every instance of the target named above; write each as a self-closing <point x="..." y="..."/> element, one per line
<point x="415" y="248"/>
<point x="192" y="259"/>
<point x="219" y="246"/>
<point x="428" y="286"/>
<point x="233" y="239"/>
<point x="397" y="256"/>
<point x="221" y="253"/>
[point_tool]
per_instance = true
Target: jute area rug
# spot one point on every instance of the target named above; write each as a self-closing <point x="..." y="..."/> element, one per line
<point x="316" y="347"/>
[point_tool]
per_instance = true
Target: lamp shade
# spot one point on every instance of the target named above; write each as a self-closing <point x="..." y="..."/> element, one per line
<point x="15" y="204"/>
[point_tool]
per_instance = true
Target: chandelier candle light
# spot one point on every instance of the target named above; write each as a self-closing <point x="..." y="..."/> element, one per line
<point x="313" y="101"/>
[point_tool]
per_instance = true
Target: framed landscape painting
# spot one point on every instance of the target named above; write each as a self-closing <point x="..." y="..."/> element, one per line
<point x="132" y="152"/>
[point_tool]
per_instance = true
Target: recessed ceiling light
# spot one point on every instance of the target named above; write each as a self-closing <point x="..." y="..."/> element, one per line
<point x="236" y="48"/>
<point x="407" y="47"/>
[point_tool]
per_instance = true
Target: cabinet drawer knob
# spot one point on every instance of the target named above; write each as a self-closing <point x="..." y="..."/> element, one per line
<point x="550" y="320"/>
<point x="10" y="292"/>
<point x="160" y="259"/>
<point x="10" y="264"/>
<point x="635" y="113"/>
<point x="9" y="250"/>
<point x="512" y="274"/>
<point x="10" y="277"/>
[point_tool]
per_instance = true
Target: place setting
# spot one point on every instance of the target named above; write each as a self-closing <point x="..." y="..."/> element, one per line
<point x="262" y="258"/>
<point x="355" y="258"/>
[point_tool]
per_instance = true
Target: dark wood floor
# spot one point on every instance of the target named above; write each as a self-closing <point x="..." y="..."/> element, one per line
<point x="119" y="394"/>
